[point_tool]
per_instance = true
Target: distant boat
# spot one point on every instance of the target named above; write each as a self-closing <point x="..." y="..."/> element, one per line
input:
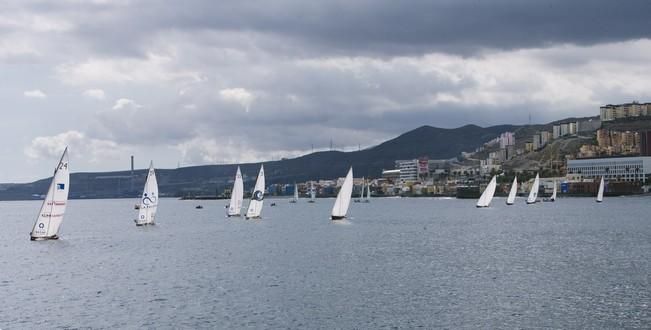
<point x="295" y="199"/>
<point x="54" y="205"/>
<point x="553" y="197"/>
<point x="136" y="207"/>
<point x="513" y="192"/>
<point x="255" y="205"/>
<point x="342" y="202"/>
<point x="149" y="200"/>
<point x="533" y="194"/>
<point x="361" y="192"/>
<point x="487" y="196"/>
<point x="368" y="194"/>
<point x="312" y="193"/>
<point x="237" y="196"/>
<point x="198" y="207"/>
<point x="600" y="194"/>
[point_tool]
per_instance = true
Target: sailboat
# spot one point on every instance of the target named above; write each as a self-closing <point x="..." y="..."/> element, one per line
<point x="295" y="199"/>
<point x="553" y="197"/>
<point x="600" y="194"/>
<point x="149" y="200"/>
<point x="342" y="202"/>
<point x="237" y="196"/>
<point x="533" y="194"/>
<point x="487" y="196"/>
<point x="513" y="192"/>
<point x="312" y="193"/>
<point x="54" y="206"/>
<point x="255" y="206"/>
<point x="361" y="192"/>
<point x="368" y="194"/>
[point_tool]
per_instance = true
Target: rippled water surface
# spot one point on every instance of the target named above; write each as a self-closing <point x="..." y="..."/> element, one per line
<point x="396" y="263"/>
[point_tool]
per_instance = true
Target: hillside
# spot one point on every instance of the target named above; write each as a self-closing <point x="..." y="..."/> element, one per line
<point x="425" y="141"/>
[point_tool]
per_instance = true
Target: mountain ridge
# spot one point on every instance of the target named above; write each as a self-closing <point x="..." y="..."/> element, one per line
<point x="424" y="141"/>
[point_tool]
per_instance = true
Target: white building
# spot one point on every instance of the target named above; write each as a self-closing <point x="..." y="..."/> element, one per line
<point x="408" y="169"/>
<point x="573" y="128"/>
<point x="615" y="168"/>
<point x="507" y="139"/>
<point x="556" y="131"/>
<point x="565" y="129"/>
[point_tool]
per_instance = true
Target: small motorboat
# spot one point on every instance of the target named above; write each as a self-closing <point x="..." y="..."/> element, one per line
<point x="272" y="204"/>
<point x="198" y="207"/>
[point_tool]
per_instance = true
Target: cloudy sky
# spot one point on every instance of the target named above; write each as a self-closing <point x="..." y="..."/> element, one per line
<point x="204" y="82"/>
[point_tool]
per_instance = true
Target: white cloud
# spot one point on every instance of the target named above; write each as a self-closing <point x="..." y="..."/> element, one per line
<point x="35" y="23"/>
<point x="125" y="103"/>
<point x="81" y="147"/>
<point x="238" y="95"/>
<point x="95" y="94"/>
<point x="35" y="93"/>
<point x="205" y="150"/>
<point x="154" y="68"/>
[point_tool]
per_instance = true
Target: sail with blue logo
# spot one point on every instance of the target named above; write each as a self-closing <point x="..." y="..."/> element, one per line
<point x="50" y="217"/>
<point x="149" y="199"/>
<point x="255" y="206"/>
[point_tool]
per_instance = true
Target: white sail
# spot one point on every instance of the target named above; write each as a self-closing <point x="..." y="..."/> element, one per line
<point x="340" y="208"/>
<point x="295" y="193"/>
<point x="368" y="193"/>
<point x="237" y="195"/>
<point x="149" y="199"/>
<point x="312" y="192"/>
<point x="487" y="196"/>
<point x="553" y="198"/>
<point x="255" y="206"/>
<point x="533" y="194"/>
<point x="600" y="194"/>
<point x="361" y="192"/>
<point x="54" y="206"/>
<point x="513" y="192"/>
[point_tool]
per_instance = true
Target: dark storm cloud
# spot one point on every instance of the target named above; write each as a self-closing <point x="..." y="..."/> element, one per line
<point x="375" y="27"/>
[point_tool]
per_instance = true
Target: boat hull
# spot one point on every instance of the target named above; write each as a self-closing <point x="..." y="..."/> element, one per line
<point x="46" y="238"/>
<point x="140" y="224"/>
<point x="337" y="217"/>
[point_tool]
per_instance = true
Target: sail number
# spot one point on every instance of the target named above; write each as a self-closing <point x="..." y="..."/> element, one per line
<point x="63" y="165"/>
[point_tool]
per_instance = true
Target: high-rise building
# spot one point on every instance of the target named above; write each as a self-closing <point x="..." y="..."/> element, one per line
<point x="573" y="128"/>
<point x="556" y="131"/>
<point x="626" y="110"/>
<point x="408" y="169"/>
<point x="507" y="139"/>
<point x="545" y="137"/>
<point x="565" y="129"/>
<point x="645" y="143"/>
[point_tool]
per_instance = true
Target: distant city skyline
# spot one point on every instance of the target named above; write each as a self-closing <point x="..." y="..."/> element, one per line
<point x="205" y="82"/>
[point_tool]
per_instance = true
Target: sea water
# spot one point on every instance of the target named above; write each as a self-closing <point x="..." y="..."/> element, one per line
<point x="396" y="262"/>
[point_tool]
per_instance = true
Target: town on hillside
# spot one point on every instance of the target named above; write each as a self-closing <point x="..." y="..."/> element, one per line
<point x="574" y="154"/>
